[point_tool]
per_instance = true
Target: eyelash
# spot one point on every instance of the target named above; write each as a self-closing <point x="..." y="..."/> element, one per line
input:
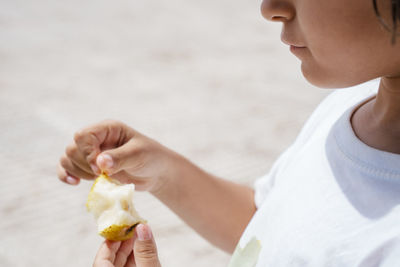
<point x="395" y="17"/>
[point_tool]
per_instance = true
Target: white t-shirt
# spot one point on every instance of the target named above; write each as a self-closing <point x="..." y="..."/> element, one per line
<point x="329" y="200"/>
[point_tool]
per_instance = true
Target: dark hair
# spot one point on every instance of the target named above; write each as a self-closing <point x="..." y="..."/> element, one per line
<point x="395" y="17"/>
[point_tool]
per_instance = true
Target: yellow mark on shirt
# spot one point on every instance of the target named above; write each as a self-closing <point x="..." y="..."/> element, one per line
<point x="247" y="256"/>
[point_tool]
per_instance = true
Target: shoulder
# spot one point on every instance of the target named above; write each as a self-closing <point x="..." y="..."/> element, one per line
<point x="318" y="124"/>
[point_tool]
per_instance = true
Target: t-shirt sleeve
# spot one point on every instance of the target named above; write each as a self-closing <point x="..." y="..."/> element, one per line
<point x="265" y="184"/>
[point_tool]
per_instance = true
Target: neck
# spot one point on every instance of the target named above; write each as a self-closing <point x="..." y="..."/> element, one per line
<point x="377" y="122"/>
<point x="386" y="107"/>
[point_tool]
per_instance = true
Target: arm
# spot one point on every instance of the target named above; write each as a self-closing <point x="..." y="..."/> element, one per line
<point x="219" y="210"/>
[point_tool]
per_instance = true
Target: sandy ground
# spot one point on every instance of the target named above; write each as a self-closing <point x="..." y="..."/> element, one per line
<point x="209" y="79"/>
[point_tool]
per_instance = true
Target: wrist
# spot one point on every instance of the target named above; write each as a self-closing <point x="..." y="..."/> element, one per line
<point x="169" y="174"/>
<point x="177" y="172"/>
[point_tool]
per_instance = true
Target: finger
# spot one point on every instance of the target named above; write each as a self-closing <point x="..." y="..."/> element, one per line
<point x="73" y="170"/>
<point x="89" y="146"/>
<point x="115" y="160"/>
<point x="106" y="254"/>
<point x="145" y="248"/>
<point x="123" y="253"/>
<point x="65" y="177"/>
<point x="131" y="260"/>
<point x="89" y="141"/>
<point x="102" y="136"/>
<point x="77" y="158"/>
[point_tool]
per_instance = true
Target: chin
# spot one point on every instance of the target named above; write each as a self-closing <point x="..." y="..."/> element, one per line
<point x="322" y="79"/>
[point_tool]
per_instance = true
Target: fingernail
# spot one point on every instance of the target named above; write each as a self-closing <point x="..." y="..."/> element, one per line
<point x="95" y="169"/>
<point x="72" y="180"/>
<point x="105" y="161"/>
<point x="143" y="232"/>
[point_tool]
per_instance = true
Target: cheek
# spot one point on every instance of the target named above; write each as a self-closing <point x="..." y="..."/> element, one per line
<point x="337" y="65"/>
<point x="344" y="45"/>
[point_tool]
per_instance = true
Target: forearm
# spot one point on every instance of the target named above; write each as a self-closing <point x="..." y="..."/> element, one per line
<point x="217" y="209"/>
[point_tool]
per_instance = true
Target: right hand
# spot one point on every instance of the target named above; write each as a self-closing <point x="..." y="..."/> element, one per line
<point x="121" y="152"/>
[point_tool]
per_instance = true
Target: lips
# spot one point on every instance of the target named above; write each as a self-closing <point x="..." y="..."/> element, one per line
<point x="297" y="48"/>
<point x="290" y="41"/>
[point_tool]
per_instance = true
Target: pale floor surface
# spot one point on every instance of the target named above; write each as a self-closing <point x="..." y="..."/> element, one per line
<point x="209" y="79"/>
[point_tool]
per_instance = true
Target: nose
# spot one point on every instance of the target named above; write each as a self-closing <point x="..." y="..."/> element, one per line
<point x="277" y="10"/>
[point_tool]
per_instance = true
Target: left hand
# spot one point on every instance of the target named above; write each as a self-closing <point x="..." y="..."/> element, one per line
<point x="140" y="251"/>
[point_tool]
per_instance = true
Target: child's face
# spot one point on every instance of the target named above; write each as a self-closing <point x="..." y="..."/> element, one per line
<point x="344" y="43"/>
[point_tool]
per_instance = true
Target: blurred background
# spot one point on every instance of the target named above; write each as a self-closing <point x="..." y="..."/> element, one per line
<point x="209" y="79"/>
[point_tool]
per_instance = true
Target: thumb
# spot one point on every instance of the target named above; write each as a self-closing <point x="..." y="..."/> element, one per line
<point x="144" y="248"/>
<point x="117" y="159"/>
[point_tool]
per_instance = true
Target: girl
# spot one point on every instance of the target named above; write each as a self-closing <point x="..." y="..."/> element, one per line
<point x="333" y="197"/>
